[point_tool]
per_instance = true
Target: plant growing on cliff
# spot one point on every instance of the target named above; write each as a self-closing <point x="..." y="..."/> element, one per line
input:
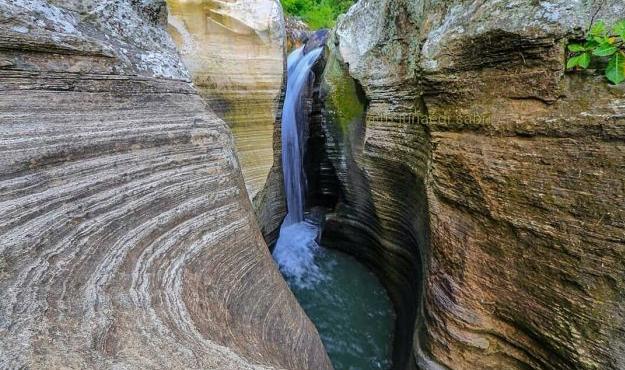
<point x="317" y="13"/>
<point x="601" y="42"/>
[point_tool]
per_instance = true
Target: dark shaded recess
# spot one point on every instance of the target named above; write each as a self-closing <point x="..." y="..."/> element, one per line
<point x="354" y="229"/>
<point x="390" y="241"/>
<point x="499" y="49"/>
<point x="321" y="183"/>
<point x="323" y="187"/>
<point x="317" y="40"/>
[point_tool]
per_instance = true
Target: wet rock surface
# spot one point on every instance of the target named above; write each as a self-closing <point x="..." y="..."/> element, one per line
<point x="297" y="32"/>
<point x="483" y="167"/>
<point x="127" y="239"/>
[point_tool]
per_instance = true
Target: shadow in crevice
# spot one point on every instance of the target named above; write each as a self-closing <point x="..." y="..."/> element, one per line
<point x="377" y="209"/>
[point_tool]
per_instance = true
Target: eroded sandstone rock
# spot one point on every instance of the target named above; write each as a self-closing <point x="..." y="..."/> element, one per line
<point x="235" y="52"/>
<point x="127" y="239"/>
<point x="490" y="171"/>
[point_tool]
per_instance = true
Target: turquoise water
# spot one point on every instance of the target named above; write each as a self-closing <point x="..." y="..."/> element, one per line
<point x="350" y="309"/>
<point x="345" y="301"/>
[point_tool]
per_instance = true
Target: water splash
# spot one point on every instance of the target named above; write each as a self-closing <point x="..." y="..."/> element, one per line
<point x="296" y="247"/>
<point x="295" y="253"/>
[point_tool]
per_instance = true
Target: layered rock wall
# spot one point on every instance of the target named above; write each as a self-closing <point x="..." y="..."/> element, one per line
<point x="486" y="169"/>
<point x="127" y="238"/>
<point x="235" y="52"/>
<point x="381" y="214"/>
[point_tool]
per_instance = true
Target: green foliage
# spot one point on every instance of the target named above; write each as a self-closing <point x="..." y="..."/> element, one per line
<point x="616" y="68"/>
<point x="602" y="42"/>
<point x="317" y="13"/>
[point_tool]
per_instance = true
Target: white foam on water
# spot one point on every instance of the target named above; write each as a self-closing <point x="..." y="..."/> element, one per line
<point x="295" y="253"/>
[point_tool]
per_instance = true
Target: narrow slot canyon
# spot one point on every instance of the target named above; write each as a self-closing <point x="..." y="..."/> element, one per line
<point x="312" y="184"/>
<point x="345" y="300"/>
<point x="337" y="214"/>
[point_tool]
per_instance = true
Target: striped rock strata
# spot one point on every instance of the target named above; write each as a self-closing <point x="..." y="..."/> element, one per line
<point x="127" y="238"/>
<point x="498" y="222"/>
<point x="235" y="53"/>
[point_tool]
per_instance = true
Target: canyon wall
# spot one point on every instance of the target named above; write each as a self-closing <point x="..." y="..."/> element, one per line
<point x="297" y="33"/>
<point x="481" y="182"/>
<point x="127" y="238"/>
<point x="235" y="52"/>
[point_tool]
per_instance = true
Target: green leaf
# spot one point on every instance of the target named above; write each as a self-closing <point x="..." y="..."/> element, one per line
<point x="619" y="29"/>
<point x="573" y="62"/>
<point x="590" y="44"/>
<point x="616" y="68"/>
<point x="576" y="48"/>
<point x="605" y="50"/>
<point x="601" y="39"/>
<point x="598" y="29"/>
<point x="584" y="60"/>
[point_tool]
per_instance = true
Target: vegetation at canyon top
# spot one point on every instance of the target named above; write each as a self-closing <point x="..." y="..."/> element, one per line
<point x="602" y="42"/>
<point x="317" y="13"/>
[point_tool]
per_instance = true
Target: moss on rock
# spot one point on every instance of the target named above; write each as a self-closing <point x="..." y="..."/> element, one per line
<point x="344" y="99"/>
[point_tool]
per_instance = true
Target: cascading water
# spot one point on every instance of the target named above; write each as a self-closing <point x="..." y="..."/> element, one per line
<point x="347" y="303"/>
<point x="293" y="123"/>
<point x="296" y="246"/>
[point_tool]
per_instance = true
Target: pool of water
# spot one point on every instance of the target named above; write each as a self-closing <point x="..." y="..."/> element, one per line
<point x="346" y="302"/>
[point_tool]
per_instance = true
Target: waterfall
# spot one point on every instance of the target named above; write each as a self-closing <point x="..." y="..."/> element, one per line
<point x="347" y="303"/>
<point x="296" y="247"/>
<point x="293" y="123"/>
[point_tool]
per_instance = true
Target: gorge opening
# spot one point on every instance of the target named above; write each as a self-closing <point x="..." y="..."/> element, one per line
<point x="345" y="300"/>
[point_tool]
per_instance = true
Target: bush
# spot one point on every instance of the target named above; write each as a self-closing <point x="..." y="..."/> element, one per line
<point x="317" y="13"/>
<point x="601" y="42"/>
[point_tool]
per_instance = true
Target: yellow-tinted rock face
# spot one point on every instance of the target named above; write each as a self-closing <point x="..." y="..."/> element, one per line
<point x="235" y="53"/>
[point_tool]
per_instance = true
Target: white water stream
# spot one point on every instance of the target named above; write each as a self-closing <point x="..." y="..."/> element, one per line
<point x="296" y="247"/>
<point x="347" y="303"/>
